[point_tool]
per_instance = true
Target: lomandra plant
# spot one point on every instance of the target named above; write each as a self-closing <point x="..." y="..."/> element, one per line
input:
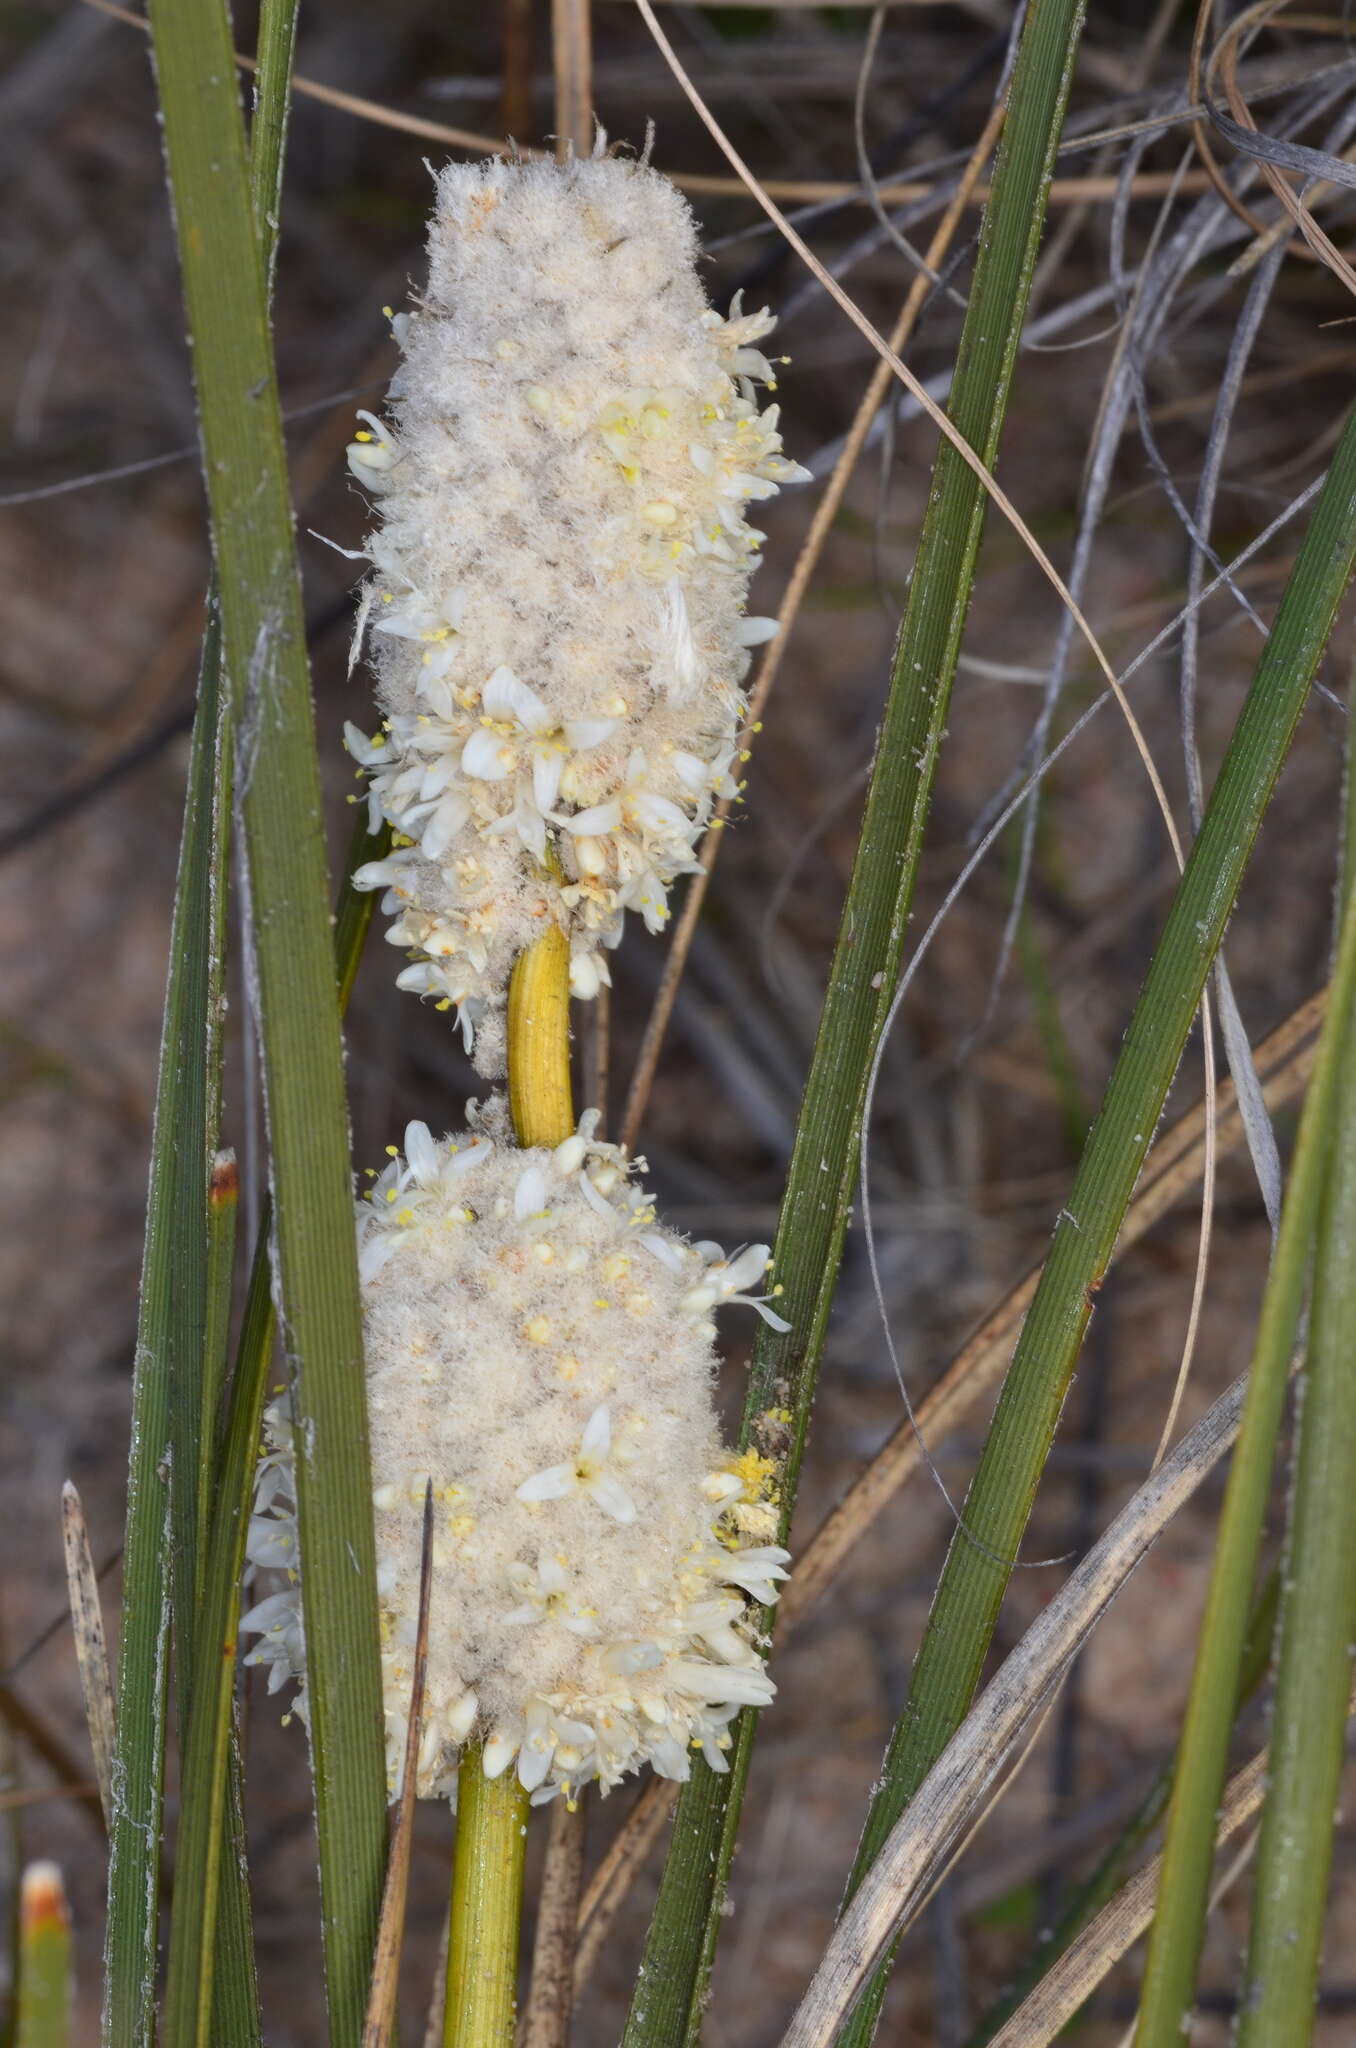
<point x="497" y="1550"/>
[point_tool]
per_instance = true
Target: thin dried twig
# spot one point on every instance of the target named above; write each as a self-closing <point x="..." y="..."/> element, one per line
<point x="546" y="2017"/>
<point x="675" y="959"/>
<point x="91" y="1649"/>
<point x="572" y="49"/>
<point x="381" y="2004"/>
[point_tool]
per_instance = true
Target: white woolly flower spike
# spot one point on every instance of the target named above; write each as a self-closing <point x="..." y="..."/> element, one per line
<point x="539" y="1348"/>
<point x="560" y="571"/>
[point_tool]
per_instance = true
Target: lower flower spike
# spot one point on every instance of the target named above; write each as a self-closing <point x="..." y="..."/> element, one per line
<point x="539" y="1348"/>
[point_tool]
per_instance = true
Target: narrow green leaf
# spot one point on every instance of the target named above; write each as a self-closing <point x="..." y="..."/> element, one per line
<point x="667" y="2004"/>
<point x="268" y="130"/>
<point x="966" y="1605"/>
<point x="291" y="972"/>
<point x="192" y="2001"/>
<point x="169" y="1336"/>
<point x="198" y="1133"/>
<point x="1188" y="1857"/>
<point x="1318" y="1612"/>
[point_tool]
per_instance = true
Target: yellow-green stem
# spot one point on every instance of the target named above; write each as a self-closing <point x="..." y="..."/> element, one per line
<point x="539" y="1042"/>
<point x="487" y="1904"/>
<point x="487" y="1877"/>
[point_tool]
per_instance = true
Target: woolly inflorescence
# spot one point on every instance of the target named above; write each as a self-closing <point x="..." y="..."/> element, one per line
<point x="539" y="1349"/>
<point x="561" y="564"/>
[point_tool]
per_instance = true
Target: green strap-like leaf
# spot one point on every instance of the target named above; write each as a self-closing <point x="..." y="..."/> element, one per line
<point x="1318" y="1614"/>
<point x="823" y="1172"/>
<point x="1189" y="1848"/>
<point x="169" y="1337"/>
<point x="204" y="1845"/>
<point x="291" y="970"/>
<point x="970" y="1593"/>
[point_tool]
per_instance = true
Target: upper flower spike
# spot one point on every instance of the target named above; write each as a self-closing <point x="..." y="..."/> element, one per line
<point x="560" y="568"/>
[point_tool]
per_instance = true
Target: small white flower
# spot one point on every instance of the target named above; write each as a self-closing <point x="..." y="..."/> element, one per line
<point x="726" y="1279"/>
<point x="756" y="1571"/>
<point x="544" y="1595"/>
<point x="587" y="1473"/>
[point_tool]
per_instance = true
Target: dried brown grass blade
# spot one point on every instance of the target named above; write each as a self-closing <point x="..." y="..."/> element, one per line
<point x="91" y="1649"/>
<point x="379" y="2026"/>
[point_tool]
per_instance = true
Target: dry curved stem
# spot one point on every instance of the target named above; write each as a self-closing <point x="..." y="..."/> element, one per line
<point x="1200" y="128"/>
<point x="675" y="959"/>
<point x="957" y="1787"/>
<point x="1284" y="1062"/>
<point x="1224" y="59"/>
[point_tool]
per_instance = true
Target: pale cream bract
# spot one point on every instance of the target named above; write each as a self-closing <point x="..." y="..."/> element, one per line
<point x="539" y="1348"/>
<point x="560" y="571"/>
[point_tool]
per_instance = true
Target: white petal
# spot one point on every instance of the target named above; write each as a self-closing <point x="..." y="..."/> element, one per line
<point x="461" y="1720"/>
<point x="534" y="1761"/>
<point x="498" y="1752"/>
<point x="552" y="1484"/>
<point x="598" y="818"/>
<point x="666" y="1253"/>
<point x="469" y="1156"/>
<point x="747" y="1267"/>
<point x="597" y="1438"/>
<point x="611" y="1496"/>
<point x="443" y="827"/>
<point x="583" y="733"/>
<point x="505" y="697"/>
<point x="373" y="1255"/>
<point x="421" y="1153"/>
<point x="718" y="1683"/>
<point x="752" y="632"/>
<point x="276" y="1612"/>
<point x="547" y="766"/>
<point x="486" y="757"/>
